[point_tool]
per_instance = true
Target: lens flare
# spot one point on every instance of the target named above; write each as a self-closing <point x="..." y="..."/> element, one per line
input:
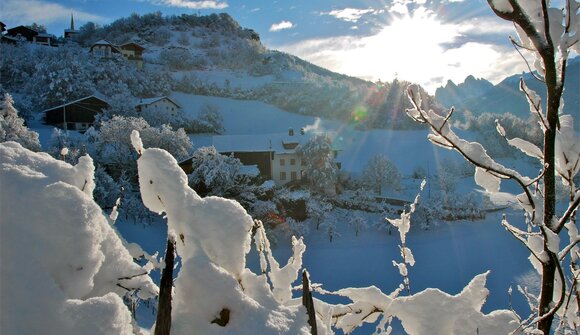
<point x="359" y="114"/>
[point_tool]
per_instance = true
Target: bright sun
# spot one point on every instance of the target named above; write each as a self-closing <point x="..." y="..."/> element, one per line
<point x="417" y="46"/>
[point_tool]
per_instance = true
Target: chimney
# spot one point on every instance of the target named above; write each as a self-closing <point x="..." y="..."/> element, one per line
<point x="290" y="131"/>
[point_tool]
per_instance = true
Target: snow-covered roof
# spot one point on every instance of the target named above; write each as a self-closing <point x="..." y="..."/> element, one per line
<point x="102" y="42"/>
<point x="250" y="170"/>
<point x="149" y="101"/>
<point x="105" y="42"/>
<point x="262" y="142"/>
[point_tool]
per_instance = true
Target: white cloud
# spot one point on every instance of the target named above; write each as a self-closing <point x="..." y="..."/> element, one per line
<point x="192" y="4"/>
<point x="281" y="26"/>
<point x="17" y="12"/>
<point x="349" y="14"/>
<point x="413" y="48"/>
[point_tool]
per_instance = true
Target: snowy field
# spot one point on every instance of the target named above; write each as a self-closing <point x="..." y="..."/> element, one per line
<point x="448" y="255"/>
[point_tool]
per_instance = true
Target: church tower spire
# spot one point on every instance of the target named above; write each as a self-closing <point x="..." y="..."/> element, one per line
<point x="72" y="22"/>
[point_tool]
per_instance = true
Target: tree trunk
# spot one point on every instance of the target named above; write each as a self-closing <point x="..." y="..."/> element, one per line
<point x="163" y="323"/>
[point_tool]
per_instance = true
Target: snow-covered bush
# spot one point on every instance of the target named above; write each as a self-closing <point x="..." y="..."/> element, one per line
<point x="67" y="146"/>
<point x="215" y="293"/>
<point x="12" y="127"/>
<point x="63" y="267"/>
<point x="177" y="59"/>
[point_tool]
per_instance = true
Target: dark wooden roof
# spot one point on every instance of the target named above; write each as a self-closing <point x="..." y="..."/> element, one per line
<point x="22" y="31"/>
<point x="132" y="46"/>
<point x="81" y="110"/>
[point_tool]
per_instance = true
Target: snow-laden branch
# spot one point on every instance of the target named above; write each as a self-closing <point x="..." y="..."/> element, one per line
<point x="488" y="171"/>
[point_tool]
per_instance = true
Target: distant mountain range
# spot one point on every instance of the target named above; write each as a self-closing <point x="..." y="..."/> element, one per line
<point x="480" y="96"/>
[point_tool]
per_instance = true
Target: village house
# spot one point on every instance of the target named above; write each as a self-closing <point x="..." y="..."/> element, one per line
<point x="22" y="33"/>
<point x="277" y="156"/>
<point x="76" y="115"/>
<point x="103" y="49"/>
<point x="133" y="52"/>
<point x="158" y="105"/>
<point x="45" y="39"/>
<point x="4" y="38"/>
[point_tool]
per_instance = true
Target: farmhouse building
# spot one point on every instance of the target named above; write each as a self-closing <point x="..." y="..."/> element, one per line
<point x="133" y="52"/>
<point x="103" y="49"/>
<point x="76" y="115"/>
<point x="277" y="156"/>
<point x="158" y="105"/>
<point x="45" y="39"/>
<point x="22" y="33"/>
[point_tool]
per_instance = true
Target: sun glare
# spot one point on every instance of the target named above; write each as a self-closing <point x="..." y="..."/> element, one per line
<point x="417" y="47"/>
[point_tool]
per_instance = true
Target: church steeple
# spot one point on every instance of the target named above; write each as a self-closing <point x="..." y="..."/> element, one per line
<point x="72" y="22"/>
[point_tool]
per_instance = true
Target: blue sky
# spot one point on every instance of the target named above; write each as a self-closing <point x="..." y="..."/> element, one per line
<point x="424" y="41"/>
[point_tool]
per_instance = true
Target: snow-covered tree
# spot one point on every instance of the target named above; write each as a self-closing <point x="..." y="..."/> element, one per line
<point x="211" y="118"/>
<point x="549" y="34"/>
<point x="357" y="222"/>
<point x="212" y="172"/>
<point x="112" y="143"/>
<point x="317" y="209"/>
<point x="381" y="172"/>
<point x="328" y="226"/>
<point x="12" y="127"/>
<point x="321" y="169"/>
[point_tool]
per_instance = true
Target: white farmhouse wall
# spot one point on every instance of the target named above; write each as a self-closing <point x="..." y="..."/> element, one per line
<point x="290" y="170"/>
<point x="161" y="106"/>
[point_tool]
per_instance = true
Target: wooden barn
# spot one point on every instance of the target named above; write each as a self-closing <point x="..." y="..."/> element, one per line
<point x="22" y="32"/>
<point x="133" y="52"/>
<point x="76" y="115"/>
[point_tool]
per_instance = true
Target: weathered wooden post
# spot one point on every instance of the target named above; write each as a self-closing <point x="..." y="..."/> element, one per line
<point x="308" y="302"/>
<point x="163" y="322"/>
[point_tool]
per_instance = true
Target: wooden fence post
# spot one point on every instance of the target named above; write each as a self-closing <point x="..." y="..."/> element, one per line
<point x="163" y="322"/>
<point x="308" y="302"/>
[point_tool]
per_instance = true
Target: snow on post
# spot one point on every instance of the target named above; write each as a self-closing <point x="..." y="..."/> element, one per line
<point x="214" y="291"/>
<point x="63" y="268"/>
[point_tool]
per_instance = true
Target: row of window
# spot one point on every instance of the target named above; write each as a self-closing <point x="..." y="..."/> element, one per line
<point x="293" y="175"/>
<point x="292" y="162"/>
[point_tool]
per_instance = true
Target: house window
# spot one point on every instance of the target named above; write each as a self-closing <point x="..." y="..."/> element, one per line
<point x="293" y="175"/>
<point x="282" y="162"/>
<point x="282" y="175"/>
<point x="292" y="161"/>
<point x="303" y="162"/>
